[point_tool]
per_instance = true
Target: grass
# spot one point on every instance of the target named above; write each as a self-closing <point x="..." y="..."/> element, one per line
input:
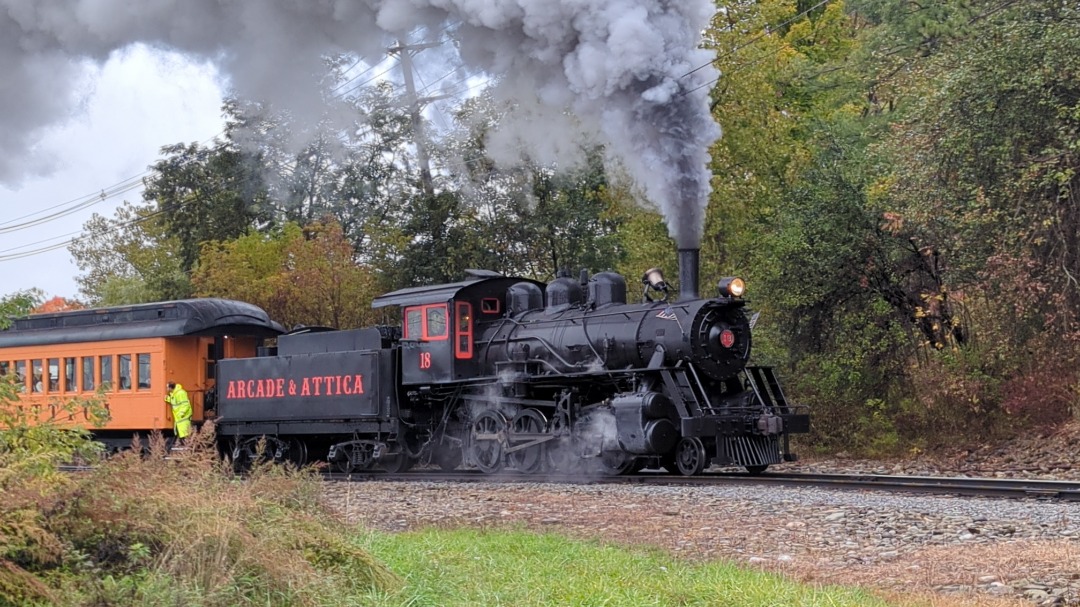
<point x="519" y="568"/>
<point x="180" y="530"/>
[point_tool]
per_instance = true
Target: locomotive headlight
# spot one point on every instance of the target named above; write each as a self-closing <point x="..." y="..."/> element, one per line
<point x="655" y="279"/>
<point x="732" y="287"/>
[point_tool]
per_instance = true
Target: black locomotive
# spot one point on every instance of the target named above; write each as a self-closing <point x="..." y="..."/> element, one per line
<point x="496" y="372"/>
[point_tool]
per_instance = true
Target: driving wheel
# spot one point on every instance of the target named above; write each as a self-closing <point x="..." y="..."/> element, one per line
<point x="531" y="458"/>
<point x="486" y="441"/>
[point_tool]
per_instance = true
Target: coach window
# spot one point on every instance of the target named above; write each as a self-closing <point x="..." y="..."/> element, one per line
<point x="20" y="375"/>
<point x="106" y="380"/>
<point x="5" y="366"/>
<point x="463" y="330"/>
<point x="144" y="370"/>
<point x="69" y="375"/>
<point x="36" y="382"/>
<point x="125" y="371"/>
<point x="54" y="375"/>
<point x="87" y="373"/>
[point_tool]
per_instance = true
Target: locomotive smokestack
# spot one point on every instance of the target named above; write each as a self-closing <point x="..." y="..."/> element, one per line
<point x="688" y="273"/>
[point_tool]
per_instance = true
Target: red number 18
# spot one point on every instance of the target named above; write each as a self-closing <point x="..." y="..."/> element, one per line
<point x="425" y="360"/>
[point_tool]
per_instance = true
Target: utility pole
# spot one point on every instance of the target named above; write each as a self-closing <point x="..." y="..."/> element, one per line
<point x="404" y="52"/>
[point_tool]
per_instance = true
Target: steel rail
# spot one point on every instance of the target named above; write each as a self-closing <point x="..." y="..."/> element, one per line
<point x="936" y="485"/>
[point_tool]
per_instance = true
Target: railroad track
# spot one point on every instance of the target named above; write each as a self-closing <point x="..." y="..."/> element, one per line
<point x="939" y="485"/>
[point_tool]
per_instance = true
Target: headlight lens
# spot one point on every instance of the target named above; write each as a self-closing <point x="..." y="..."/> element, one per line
<point x="732" y="287"/>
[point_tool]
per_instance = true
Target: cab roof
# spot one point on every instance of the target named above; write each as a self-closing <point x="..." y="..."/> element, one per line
<point x="482" y="282"/>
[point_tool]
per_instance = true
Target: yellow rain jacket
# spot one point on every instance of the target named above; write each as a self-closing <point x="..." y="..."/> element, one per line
<point x="181" y="411"/>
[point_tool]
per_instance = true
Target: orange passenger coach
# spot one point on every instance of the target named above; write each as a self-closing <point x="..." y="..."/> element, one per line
<point x="131" y="353"/>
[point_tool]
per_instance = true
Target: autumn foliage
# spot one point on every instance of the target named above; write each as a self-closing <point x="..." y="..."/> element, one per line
<point x="300" y="276"/>
<point x="57" y="304"/>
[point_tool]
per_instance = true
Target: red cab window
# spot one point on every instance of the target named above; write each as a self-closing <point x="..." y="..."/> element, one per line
<point x="463" y="330"/>
<point x="426" y="323"/>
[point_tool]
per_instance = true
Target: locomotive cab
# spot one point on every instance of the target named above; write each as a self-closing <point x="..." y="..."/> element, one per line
<point x="440" y="325"/>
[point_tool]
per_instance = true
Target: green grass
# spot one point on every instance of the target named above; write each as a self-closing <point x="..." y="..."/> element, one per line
<point x="510" y="568"/>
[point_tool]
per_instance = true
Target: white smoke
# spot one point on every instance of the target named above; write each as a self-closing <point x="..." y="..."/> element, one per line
<point x="627" y="72"/>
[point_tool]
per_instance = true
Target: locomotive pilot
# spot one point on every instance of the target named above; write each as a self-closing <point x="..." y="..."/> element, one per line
<point x="177" y="398"/>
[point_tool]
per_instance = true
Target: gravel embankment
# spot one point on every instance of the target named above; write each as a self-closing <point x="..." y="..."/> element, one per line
<point x="957" y="551"/>
<point x="971" y="551"/>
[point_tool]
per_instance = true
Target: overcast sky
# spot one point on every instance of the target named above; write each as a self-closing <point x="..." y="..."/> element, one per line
<point x="129" y="107"/>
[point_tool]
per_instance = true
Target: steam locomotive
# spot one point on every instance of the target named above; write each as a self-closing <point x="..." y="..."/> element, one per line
<point x="496" y="373"/>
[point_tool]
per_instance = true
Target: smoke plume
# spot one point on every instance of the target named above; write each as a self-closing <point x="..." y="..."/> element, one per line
<point x="626" y="71"/>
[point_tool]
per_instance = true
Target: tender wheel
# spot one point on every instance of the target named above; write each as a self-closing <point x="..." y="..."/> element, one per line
<point x="690" y="456"/>
<point x="297" y="453"/>
<point x="486" y="441"/>
<point x="756" y="470"/>
<point x="251" y="451"/>
<point x="353" y="458"/>
<point x="528" y="459"/>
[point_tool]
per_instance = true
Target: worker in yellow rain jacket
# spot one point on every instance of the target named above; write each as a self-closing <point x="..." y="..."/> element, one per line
<point x="181" y="410"/>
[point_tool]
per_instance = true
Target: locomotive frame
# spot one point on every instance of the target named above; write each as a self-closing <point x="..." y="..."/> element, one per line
<point x="498" y="372"/>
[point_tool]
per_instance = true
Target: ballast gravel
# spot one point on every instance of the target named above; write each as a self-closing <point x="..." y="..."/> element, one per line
<point x="973" y="551"/>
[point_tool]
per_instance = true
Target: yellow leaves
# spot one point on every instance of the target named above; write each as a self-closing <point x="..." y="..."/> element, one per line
<point x="893" y="222"/>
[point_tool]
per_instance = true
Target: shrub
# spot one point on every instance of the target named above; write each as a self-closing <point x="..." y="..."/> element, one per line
<point x="151" y="526"/>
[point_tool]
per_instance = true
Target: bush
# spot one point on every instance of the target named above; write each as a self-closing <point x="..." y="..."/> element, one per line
<point x="153" y="527"/>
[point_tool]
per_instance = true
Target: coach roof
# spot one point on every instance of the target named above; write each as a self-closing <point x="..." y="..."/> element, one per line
<point x="163" y="319"/>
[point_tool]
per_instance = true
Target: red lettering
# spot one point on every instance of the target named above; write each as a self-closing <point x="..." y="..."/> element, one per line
<point x="280" y="384"/>
<point x="425" y="360"/>
<point x="231" y="393"/>
<point x="337" y="385"/>
<point x="240" y="391"/>
<point x="251" y="388"/>
<point x="346" y="384"/>
<point x="306" y="389"/>
<point x="259" y="390"/>
<point x="358" y="382"/>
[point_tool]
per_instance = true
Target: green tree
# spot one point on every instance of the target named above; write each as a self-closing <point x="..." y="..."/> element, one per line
<point x="130" y="258"/>
<point x="206" y="193"/>
<point x="300" y="276"/>
<point x="19" y="303"/>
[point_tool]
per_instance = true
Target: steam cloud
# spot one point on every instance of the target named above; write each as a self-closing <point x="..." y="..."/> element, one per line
<point x="622" y="70"/>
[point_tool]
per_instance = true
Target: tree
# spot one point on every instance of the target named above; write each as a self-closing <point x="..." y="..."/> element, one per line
<point x="129" y="259"/>
<point x="206" y="193"/>
<point x="19" y="303"/>
<point x="57" y="304"/>
<point x="300" y="276"/>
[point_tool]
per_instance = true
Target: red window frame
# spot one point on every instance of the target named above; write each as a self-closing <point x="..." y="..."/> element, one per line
<point x="425" y="334"/>
<point x="490" y="305"/>
<point x="463" y="330"/>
